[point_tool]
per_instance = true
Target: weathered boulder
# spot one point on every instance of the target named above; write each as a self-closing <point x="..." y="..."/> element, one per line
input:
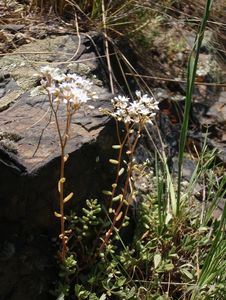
<point x="30" y="160"/>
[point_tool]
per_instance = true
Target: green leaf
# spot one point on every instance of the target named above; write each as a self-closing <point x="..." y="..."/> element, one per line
<point x="116" y="146"/>
<point x="186" y="273"/>
<point x="60" y="297"/>
<point x="116" y="198"/>
<point x="157" y="260"/>
<point x="121" y="171"/>
<point x="121" y="281"/>
<point x="131" y="293"/>
<point x="93" y="296"/>
<point x="114" y="161"/>
<point x="168" y="218"/>
<point x="107" y="193"/>
<point x="57" y="214"/>
<point x="66" y="199"/>
<point x="191" y="72"/>
<point x="169" y="267"/>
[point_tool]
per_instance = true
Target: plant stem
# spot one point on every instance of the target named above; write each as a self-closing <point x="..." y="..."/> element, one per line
<point x="126" y="186"/>
<point x="62" y="227"/>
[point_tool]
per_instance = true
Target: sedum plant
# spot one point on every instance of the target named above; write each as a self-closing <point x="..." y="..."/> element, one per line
<point x="67" y="92"/>
<point x="134" y="114"/>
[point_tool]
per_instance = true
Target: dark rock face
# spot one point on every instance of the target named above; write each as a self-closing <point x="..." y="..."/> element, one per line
<point x="30" y="161"/>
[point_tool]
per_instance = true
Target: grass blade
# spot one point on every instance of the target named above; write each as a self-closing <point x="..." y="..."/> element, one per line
<point x="191" y="72"/>
<point x="215" y="262"/>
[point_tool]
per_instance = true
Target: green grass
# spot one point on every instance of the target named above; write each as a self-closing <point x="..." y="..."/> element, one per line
<point x="191" y="75"/>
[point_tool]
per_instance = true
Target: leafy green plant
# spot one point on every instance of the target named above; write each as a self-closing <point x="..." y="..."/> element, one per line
<point x="164" y="261"/>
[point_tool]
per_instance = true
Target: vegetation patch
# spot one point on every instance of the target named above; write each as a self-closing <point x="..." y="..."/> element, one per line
<point x="159" y="234"/>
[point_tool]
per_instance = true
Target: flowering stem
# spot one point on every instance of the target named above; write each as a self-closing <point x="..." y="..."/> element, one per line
<point x="62" y="227"/>
<point x="62" y="180"/>
<point x="63" y="142"/>
<point x="126" y="186"/>
<point x="119" y="159"/>
<point x="73" y="91"/>
<point x="122" y="144"/>
<point x="130" y="169"/>
<point x="132" y="149"/>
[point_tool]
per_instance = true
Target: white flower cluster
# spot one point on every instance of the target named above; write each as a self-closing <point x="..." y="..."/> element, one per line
<point x="141" y="110"/>
<point x="70" y="89"/>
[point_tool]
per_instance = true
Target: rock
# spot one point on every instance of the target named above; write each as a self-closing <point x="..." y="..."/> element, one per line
<point x="12" y="27"/>
<point x="217" y="112"/>
<point x="214" y="117"/>
<point x="30" y="161"/>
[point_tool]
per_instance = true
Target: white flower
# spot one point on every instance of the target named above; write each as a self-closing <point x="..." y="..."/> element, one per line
<point x="46" y="70"/>
<point x="69" y="89"/>
<point x="122" y="99"/>
<point x="138" y="94"/>
<point x="141" y="110"/>
<point x="52" y="73"/>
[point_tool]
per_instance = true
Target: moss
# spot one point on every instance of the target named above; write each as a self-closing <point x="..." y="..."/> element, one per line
<point x="8" y="141"/>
